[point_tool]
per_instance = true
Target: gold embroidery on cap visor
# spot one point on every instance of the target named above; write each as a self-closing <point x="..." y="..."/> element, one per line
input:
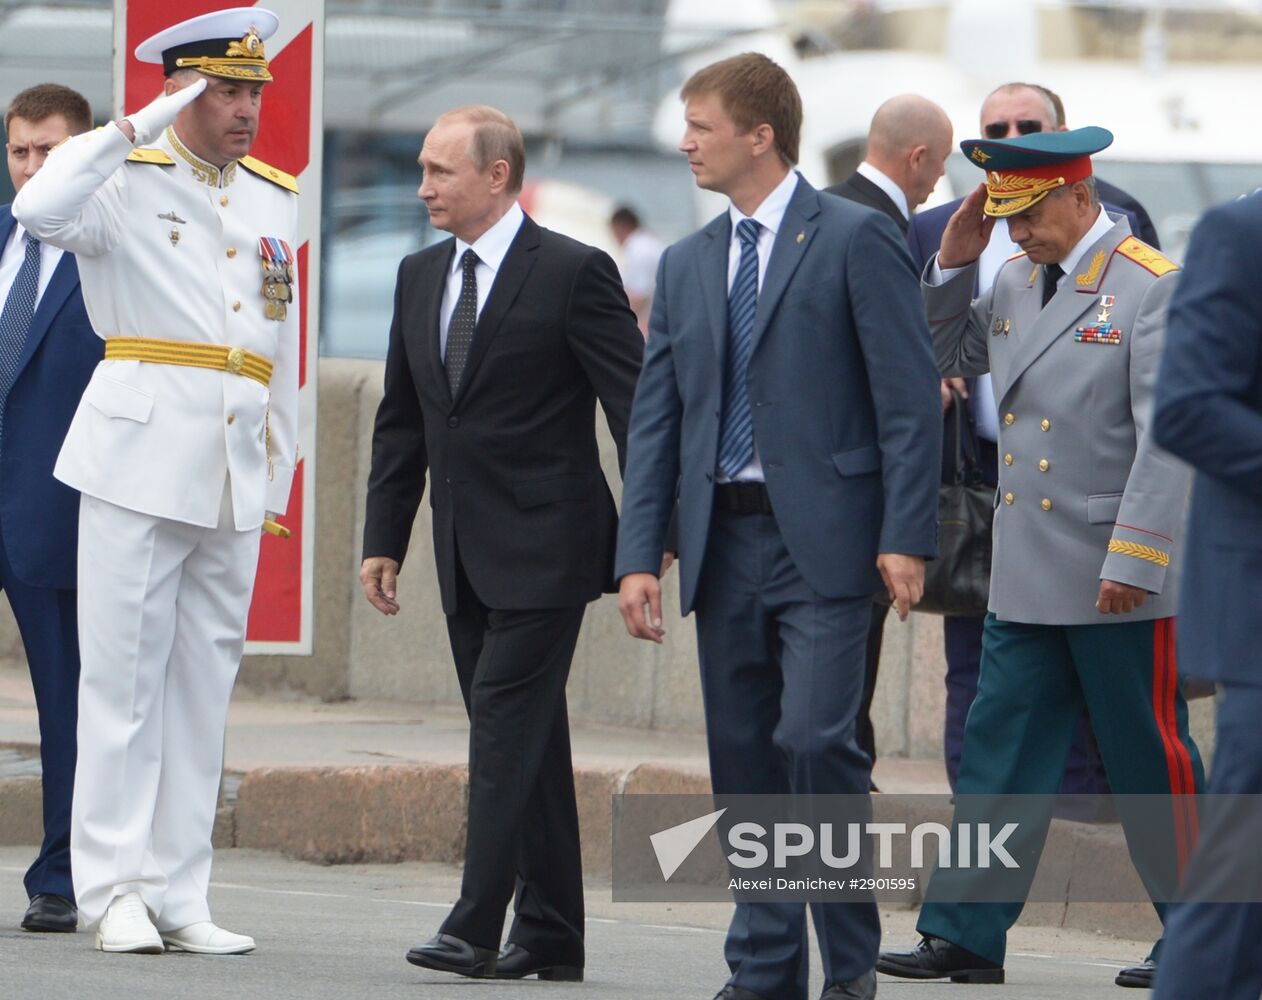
<point x="1008" y="194"/>
<point x="244" y="60"/>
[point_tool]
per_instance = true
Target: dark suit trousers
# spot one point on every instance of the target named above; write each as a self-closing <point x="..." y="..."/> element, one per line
<point x="782" y="678"/>
<point x="47" y="620"/>
<point x="1211" y="948"/>
<point x="523" y="821"/>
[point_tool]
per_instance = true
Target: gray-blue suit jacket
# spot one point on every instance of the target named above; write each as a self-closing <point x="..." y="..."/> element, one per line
<point x="843" y="387"/>
<point x="1209" y="412"/>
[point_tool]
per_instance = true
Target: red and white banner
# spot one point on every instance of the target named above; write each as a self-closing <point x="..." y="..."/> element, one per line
<point x="291" y="137"/>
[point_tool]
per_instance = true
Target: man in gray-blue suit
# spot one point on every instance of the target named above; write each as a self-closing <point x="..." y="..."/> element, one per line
<point x="1208" y="411"/>
<point x="789" y="401"/>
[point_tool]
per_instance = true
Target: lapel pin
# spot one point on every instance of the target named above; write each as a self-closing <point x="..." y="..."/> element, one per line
<point x="174" y="236"/>
<point x="801" y="237"/>
<point x="171" y="217"/>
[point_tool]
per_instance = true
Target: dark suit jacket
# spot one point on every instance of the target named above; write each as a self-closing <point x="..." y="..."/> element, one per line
<point x="843" y="389"/>
<point x="39" y="516"/>
<point x="1208" y="411"/>
<point x="514" y="468"/>
<point x="858" y="188"/>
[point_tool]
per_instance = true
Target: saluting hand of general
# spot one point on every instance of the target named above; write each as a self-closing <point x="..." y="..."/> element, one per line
<point x="967" y="232"/>
<point x="379" y="575"/>
<point x="147" y="123"/>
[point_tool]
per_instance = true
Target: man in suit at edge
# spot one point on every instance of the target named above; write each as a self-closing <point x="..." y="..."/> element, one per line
<point x="1086" y="555"/>
<point x="909" y="141"/>
<point x="47" y="353"/>
<point x="504" y="337"/>
<point x="788" y="390"/>
<point x="1009" y="110"/>
<point x="1209" y="412"/>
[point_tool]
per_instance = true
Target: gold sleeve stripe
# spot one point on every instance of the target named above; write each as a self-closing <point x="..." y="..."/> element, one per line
<point x="1146" y="257"/>
<point x="1146" y="552"/>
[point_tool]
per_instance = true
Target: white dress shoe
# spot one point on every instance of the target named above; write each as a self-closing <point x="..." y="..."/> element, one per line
<point x="206" y="938"/>
<point x="126" y="927"/>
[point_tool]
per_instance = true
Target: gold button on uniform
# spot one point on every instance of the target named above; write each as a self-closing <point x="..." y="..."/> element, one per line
<point x="1008" y="498"/>
<point x="231" y="418"/>
<point x="1008" y="418"/>
<point x="232" y="252"/>
<point x="1044" y="465"/>
<point x="1046" y="504"/>
<point x="1007" y="459"/>
<point x="236" y="306"/>
<point x="1046" y="424"/>
<point x="223" y="200"/>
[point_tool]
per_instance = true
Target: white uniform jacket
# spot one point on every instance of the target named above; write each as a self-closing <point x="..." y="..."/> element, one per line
<point x="169" y="247"/>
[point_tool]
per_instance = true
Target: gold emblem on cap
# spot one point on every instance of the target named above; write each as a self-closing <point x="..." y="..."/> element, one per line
<point x="979" y="155"/>
<point x="236" y="360"/>
<point x="244" y="60"/>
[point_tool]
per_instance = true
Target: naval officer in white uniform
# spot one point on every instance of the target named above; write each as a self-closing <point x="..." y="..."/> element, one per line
<point x="184" y="443"/>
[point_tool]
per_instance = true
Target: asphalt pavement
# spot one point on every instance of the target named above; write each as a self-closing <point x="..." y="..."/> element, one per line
<point x="340" y="933"/>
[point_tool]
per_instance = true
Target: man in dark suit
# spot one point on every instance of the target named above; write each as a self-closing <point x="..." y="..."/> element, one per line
<point x="1010" y="110"/>
<point x="789" y="400"/>
<point x="503" y="339"/>
<point x="1208" y="411"/>
<point x="48" y="351"/>
<point x="909" y="141"/>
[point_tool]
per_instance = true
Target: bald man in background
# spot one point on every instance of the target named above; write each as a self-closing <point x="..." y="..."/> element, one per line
<point x="908" y="144"/>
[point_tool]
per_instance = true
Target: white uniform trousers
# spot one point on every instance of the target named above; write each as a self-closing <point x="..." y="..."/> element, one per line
<point x="162" y="614"/>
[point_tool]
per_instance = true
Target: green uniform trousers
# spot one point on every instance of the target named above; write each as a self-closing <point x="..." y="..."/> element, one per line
<point x="1033" y="684"/>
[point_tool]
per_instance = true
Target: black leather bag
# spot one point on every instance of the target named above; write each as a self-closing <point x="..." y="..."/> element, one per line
<point x="958" y="581"/>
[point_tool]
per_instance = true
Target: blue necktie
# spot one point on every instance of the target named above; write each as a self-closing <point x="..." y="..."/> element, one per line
<point x="15" y="321"/>
<point x="736" y="431"/>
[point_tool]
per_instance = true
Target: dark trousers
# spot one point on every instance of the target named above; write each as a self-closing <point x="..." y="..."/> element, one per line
<point x="1035" y="682"/>
<point x="781" y="678"/>
<point x="1212" y="947"/>
<point x="48" y="624"/>
<point x="522" y="841"/>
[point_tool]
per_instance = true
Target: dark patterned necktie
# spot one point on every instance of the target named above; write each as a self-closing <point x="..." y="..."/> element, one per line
<point x="464" y="319"/>
<point x="15" y="320"/>
<point x="1052" y="273"/>
<point x="736" y="431"/>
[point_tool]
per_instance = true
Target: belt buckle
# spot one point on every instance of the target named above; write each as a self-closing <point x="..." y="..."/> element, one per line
<point x="236" y="360"/>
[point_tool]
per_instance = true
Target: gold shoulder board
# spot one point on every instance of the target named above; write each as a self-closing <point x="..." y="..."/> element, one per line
<point x="1146" y="257"/>
<point x="146" y="154"/>
<point x="270" y="173"/>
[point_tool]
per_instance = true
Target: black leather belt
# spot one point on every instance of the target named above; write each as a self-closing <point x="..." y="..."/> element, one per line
<point x="742" y="498"/>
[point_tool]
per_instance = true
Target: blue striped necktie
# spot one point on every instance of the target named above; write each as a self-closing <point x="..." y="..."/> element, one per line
<point x="736" y="431"/>
<point x="15" y="320"/>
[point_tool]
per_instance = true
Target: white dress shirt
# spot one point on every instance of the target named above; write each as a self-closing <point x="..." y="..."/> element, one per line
<point x="769" y="215"/>
<point x="896" y="194"/>
<point x="11" y="262"/>
<point x="491" y="247"/>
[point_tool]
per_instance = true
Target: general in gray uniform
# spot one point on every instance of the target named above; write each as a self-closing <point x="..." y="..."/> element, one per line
<point x="1087" y="518"/>
<point x="184" y="442"/>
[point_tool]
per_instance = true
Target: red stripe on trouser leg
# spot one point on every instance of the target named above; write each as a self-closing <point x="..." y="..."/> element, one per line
<point x="1178" y="760"/>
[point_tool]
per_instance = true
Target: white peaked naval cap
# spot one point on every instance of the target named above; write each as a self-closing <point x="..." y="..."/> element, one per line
<point x="224" y="43"/>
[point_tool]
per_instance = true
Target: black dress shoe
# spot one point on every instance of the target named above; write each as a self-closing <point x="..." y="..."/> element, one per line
<point x="51" y="913"/>
<point x="862" y="988"/>
<point x="448" y="953"/>
<point x="515" y="962"/>
<point x="935" y="958"/>
<point x="730" y="992"/>
<point x="1138" y="977"/>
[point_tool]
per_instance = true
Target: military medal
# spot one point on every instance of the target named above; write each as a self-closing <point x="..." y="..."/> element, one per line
<point x="1102" y="331"/>
<point x="277" y="261"/>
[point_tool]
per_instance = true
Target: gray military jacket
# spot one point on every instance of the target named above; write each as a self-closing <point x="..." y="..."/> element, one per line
<point x="1084" y="494"/>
